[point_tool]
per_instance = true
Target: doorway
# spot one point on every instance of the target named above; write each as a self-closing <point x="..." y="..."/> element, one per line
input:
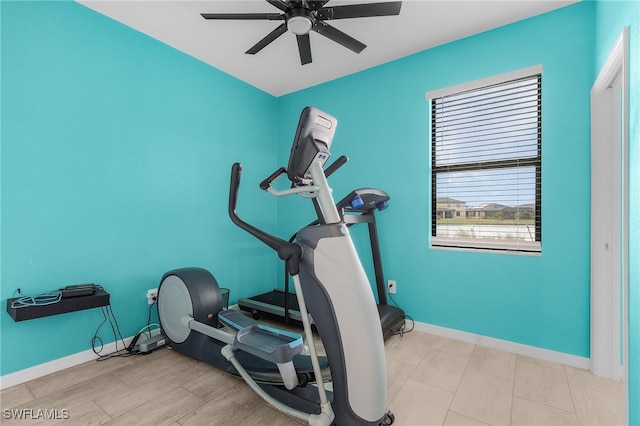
<point x="609" y="216"/>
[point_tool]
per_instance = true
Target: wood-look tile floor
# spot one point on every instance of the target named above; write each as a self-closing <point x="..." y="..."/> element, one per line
<point x="431" y="381"/>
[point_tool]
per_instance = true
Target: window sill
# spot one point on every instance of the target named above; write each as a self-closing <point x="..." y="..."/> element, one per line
<point x="486" y="246"/>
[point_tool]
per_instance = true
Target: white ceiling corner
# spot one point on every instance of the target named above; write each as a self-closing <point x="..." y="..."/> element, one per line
<point x="422" y="24"/>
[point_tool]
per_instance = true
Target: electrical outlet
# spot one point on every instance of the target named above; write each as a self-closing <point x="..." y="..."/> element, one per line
<point x="152" y="295"/>
<point x="392" y="286"/>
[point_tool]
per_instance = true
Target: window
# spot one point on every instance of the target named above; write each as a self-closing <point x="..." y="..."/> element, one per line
<point x="486" y="155"/>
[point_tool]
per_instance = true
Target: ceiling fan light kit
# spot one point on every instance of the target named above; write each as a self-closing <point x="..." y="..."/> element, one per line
<point x="300" y="22"/>
<point x="302" y="17"/>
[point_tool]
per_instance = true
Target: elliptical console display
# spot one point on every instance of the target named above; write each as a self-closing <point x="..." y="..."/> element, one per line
<point x="311" y="143"/>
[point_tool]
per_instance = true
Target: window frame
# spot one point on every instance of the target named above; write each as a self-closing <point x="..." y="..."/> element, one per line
<point x="472" y="244"/>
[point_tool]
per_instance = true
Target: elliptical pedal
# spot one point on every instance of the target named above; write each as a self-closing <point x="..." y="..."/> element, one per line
<point x="268" y="343"/>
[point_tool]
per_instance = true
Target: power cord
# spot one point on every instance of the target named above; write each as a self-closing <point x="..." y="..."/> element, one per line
<point x="132" y="345"/>
<point x="97" y="344"/>
<point x="402" y="330"/>
<point x="51" y="298"/>
<point x="37" y="300"/>
<point x="155" y="302"/>
<point x="107" y="313"/>
<point x="142" y="330"/>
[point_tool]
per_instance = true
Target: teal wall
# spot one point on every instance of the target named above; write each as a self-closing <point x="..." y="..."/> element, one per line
<point x="116" y="154"/>
<point x="610" y="18"/>
<point x="542" y="300"/>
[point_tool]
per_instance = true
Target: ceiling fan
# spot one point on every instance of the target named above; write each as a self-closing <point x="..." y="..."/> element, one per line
<point x="302" y="16"/>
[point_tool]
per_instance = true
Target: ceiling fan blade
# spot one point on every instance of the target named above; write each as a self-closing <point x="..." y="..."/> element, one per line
<point x="338" y="36"/>
<point x="253" y="16"/>
<point x="282" y="5"/>
<point x="364" y="10"/>
<point x="304" y="47"/>
<point x="316" y="4"/>
<point x="268" y="39"/>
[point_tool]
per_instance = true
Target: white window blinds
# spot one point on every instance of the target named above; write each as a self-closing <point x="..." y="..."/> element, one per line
<point x="486" y="166"/>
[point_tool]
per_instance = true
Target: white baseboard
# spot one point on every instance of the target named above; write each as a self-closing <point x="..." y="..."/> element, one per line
<point x="505" y="345"/>
<point x="40" y="370"/>
<point x="22" y="376"/>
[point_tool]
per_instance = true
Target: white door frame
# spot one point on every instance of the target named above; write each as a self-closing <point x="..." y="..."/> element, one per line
<point x="609" y="215"/>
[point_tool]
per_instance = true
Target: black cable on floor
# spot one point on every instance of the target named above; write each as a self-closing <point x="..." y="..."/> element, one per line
<point x="403" y="330"/>
<point x="108" y="315"/>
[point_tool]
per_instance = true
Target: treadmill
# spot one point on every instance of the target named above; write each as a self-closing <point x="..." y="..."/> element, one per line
<point x="359" y="206"/>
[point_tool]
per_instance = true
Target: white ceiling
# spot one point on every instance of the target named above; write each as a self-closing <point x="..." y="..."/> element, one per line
<point x="422" y="24"/>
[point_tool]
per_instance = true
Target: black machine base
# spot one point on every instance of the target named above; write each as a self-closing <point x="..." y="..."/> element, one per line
<point x="392" y="320"/>
<point x="271" y="305"/>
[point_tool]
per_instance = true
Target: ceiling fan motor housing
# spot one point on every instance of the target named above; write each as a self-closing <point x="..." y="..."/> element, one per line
<point x="299" y="20"/>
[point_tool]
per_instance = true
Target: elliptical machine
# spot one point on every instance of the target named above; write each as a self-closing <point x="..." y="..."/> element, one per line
<point x="332" y="291"/>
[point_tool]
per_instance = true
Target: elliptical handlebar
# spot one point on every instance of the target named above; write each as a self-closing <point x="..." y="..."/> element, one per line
<point x="287" y="251"/>
<point x="265" y="184"/>
<point x="341" y="161"/>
